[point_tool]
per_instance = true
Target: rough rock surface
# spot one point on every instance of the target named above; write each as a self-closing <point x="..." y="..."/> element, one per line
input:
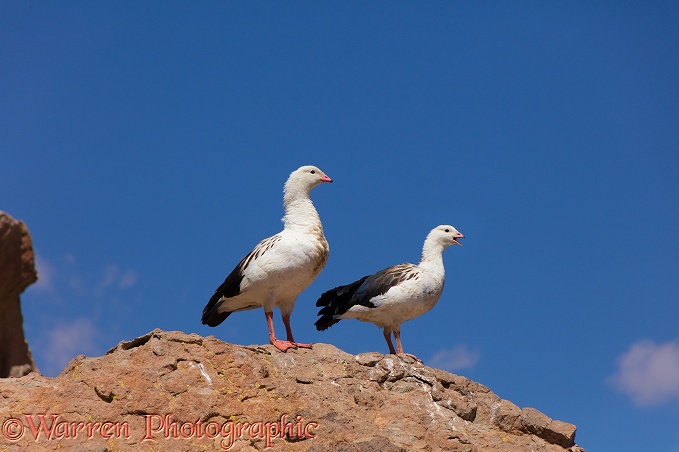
<point x="173" y="391"/>
<point x="17" y="271"/>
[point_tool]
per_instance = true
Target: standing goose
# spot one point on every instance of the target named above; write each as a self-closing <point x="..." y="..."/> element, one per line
<point x="394" y="295"/>
<point x="280" y="267"/>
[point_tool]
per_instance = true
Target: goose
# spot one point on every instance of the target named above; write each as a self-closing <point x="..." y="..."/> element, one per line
<point x="393" y="295"/>
<point x="280" y="267"/>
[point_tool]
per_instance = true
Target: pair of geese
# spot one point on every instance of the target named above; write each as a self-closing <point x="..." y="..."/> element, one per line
<point x="282" y="266"/>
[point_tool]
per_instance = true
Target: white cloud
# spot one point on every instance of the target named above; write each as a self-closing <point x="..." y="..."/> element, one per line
<point x="649" y="373"/>
<point x="65" y="341"/>
<point x="68" y="312"/>
<point x="109" y="279"/>
<point x="115" y="278"/>
<point x="456" y="358"/>
<point x="62" y="279"/>
<point x="46" y="274"/>
<point x="127" y="279"/>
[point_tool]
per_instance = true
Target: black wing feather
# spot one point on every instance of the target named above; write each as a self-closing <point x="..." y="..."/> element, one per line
<point x="231" y="285"/>
<point x="339" y="300"/>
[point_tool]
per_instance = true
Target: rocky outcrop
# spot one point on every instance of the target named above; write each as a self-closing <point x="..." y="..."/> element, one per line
<point x="173" y="391"/>
<point x="17" y="271"/>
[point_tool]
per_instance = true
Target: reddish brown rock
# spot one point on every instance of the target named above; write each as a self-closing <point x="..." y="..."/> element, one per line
<point x="172" y="391"/>
<point x="17" y="271"/>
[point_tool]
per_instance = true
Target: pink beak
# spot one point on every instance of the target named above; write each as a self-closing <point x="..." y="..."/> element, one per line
<point x="325" y="179"/>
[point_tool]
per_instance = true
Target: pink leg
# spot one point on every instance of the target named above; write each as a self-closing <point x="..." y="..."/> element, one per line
<point x="387" y="337"/>
<point x="399" y="347"/>
<point x="280" y="345"/>
<point x="288" y="330"/>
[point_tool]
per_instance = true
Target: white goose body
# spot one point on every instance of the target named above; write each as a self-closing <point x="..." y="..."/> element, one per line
<point x="280" y="267"/>
<point x="410" y="299"/>
<point x="285" y="265"/>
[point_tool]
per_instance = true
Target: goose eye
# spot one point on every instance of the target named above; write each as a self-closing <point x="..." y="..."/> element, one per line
<point x="313" y="171"/>
<point x="447" y="230"/>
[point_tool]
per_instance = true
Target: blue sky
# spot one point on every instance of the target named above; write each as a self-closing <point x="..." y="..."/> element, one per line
<point x="146" y="146"/>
